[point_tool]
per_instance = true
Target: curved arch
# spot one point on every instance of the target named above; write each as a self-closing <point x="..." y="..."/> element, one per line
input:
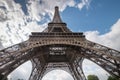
<point x="23" y="71"/>
<point x="77" y="71"/>
<point x="40" y="68"/>
<point x="15" y="61"/>
<point x="58" y="68"/>
<point x="91" y="68"/>
<point x="96" y="56"/>
<point x="102" y="66"/>
<point x="99" y="59"/>
<point x="110" y="65"/>
<point x="103" y="56"/>
<point x="57" y="74"/>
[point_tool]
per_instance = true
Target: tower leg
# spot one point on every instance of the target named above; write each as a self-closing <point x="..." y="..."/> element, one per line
<point x="37" y="69"/>
<point x="76" y="68"/>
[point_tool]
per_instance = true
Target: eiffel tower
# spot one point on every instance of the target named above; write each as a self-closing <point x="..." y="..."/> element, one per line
<point x="57" y="47"/>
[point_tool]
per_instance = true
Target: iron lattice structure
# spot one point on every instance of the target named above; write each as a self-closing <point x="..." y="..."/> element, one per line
<point x="58" y="47"/>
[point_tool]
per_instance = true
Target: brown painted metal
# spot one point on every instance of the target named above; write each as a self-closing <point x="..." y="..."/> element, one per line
<point x="58" y="47"/>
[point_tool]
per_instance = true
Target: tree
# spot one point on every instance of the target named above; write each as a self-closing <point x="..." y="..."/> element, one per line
<point x="2" y="77"/>
<point x="92" y="77"/>
<point x="112" y="78"/>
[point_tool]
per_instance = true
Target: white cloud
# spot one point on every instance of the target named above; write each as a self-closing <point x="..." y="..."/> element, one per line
<point x="22" y="72"/>
<point x="84" y="3"/>
<point x="1" y="46"/>
<point x="41" y="7"/>
<point x="15" y="26"/>
<point x="57" y="75"/>
<point x="14" y="22"/>
<point x="110" y="39"/>
<point x="90" y="68"/>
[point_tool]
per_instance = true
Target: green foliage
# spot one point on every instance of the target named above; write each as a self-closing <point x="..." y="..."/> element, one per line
<point x="2" y="77"/>
<point x="112" y="78"/>
<point x="92" y="77"/>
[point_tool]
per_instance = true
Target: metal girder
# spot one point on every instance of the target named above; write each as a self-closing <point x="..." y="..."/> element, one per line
<point x="92" y="51"/>
<point x="58" y="44"/>
<point x="7" y="66"/>
<point x="37" y="70"/>
<point x="76" y="66"/>
<point x="110" y="65"/>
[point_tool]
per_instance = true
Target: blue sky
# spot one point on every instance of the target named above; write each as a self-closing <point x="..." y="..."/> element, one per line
<point x="100" y="15"/>
<point x="98" y="19"/>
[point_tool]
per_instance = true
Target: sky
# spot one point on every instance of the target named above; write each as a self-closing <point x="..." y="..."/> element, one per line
<point x="99" y="20"/>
